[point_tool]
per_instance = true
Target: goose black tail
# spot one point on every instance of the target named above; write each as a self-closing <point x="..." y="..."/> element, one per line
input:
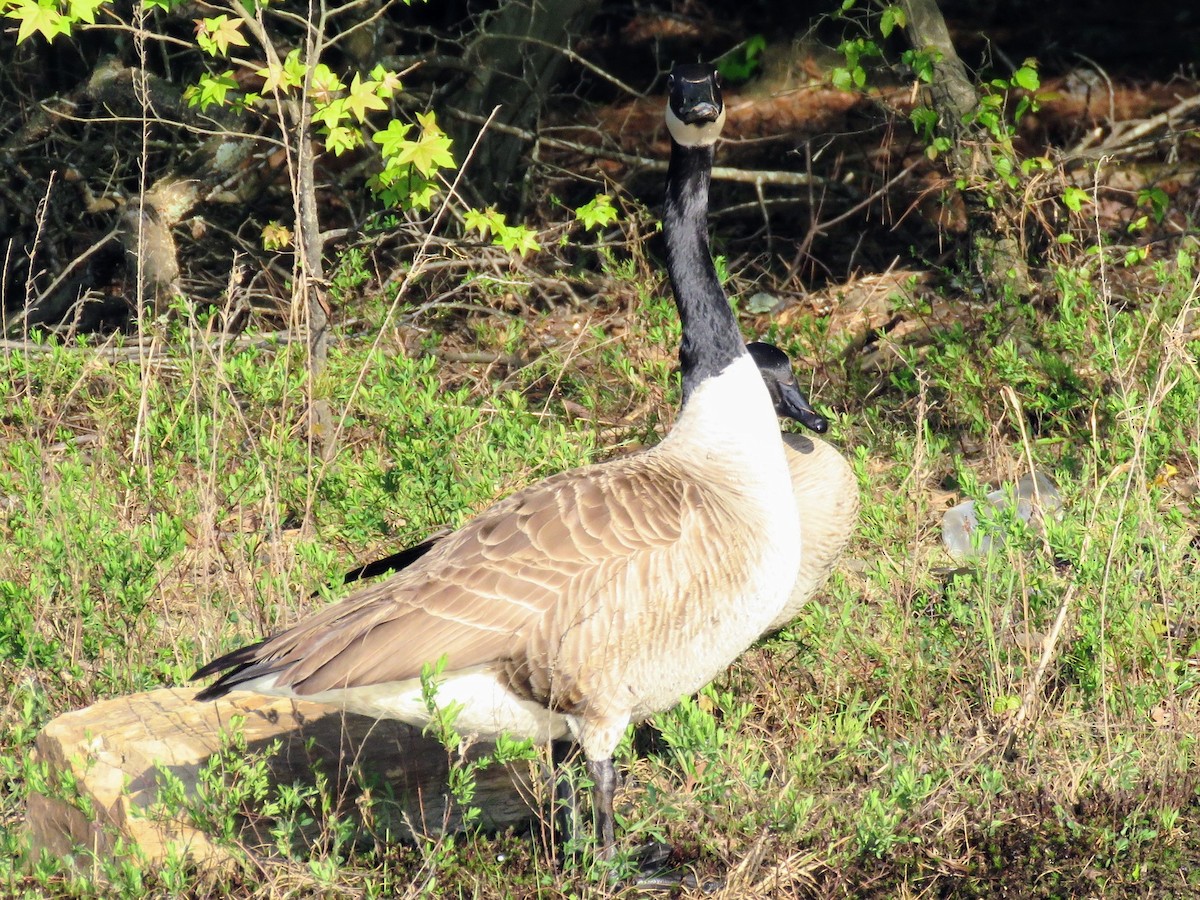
<point x="242" y="665"/>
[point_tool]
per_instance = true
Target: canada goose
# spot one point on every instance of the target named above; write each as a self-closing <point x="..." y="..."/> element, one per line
<point x="600" y="595"/>
<point x="789" y="402"/>
<point x="824" y="484"/>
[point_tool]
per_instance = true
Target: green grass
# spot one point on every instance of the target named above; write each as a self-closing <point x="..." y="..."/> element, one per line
<point x="895" y="740"/>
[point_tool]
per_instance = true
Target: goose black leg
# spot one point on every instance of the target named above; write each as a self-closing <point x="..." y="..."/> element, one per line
<point x="649" y="861"/>
<point x="604" y="781"/>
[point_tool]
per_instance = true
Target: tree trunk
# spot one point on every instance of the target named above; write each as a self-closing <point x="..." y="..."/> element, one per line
<point x="517" y="60"/>
<point x="996" y="248"/>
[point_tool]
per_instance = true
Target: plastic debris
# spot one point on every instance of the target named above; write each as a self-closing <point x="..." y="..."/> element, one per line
<point x="961" y="522"/>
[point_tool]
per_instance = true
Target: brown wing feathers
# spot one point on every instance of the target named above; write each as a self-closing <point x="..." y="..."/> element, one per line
<point x="493" y="592"/>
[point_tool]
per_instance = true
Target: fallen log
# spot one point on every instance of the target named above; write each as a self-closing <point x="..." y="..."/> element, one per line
<point x="115" y="772"/>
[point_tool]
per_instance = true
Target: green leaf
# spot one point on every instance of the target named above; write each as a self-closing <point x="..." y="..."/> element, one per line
<point x="519" y="238"/>
<point x="283" y="76"/>
<point x="84" y="10"/>
<point x="924" y="120"/>
<point x="392" y="138"/>
<point x="597" y="213"/>
<point x="40" y="17"/>
<point x="421" y="193"/>
<point x="324" y="83"/>
<point x="482" y="221"/>
<point x="387" y="81"/>
<point x="891" y="17"/>
<point x="211" y="90"/>
<point x="216" y="34"/>
<point x="1157" y="200"/>
<point x="330" y="114"/>
<point x="1136" y="255"/>
<point x="363" y="97"/>
<point x="340" y="138"/>
<point x="1074" y="198"/>
<point x="921" y="62"/>
<point x="1026" y="77"/>
<point x="431" y="151"/>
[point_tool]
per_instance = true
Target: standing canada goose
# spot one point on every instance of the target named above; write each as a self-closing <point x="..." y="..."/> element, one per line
<point x="823" y="482"/>
<point x="598" y="596"/>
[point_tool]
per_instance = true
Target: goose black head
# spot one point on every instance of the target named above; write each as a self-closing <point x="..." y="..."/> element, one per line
<point x="695" y="110"/>
<point x="776" y="370"/>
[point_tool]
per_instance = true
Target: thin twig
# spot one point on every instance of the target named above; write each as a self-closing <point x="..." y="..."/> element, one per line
<point x="73" y="265"/>
<point x="573" y="57"/>
<point x="719" y="173"/>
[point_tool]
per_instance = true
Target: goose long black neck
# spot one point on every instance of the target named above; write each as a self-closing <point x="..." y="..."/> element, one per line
<point x="711" y="340"/>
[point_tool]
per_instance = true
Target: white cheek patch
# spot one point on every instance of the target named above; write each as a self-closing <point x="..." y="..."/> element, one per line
<point x="703" y="135"/>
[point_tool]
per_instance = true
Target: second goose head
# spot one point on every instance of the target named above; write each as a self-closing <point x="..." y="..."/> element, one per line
<point x="788" y="399"/>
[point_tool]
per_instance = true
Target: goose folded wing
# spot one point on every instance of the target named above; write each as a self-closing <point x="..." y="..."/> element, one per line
<point x="488" y="593"/>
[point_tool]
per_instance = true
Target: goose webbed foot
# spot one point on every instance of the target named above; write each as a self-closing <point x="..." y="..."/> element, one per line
<point x="657" y="866"/>
<point x="651" y="866"/>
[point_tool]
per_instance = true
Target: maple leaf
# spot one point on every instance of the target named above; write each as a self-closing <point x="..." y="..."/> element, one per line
<point x="272" y="76"/>
<point x="387" y="81"/>
<point x="481" y="220"/>
<point x="392" y="138"/>
<point x="216" y="34"/>
<point x="283" y="77"/>
<point x="329" y="114"/>
<point x="421" y="196"/>
<point x="597" y="213"/>
<point x="363" y="97"/>
<point x="519" y="238"/>
<point x="340" y="139"/>
<point x="276" y="236"/>
<point x="84" y="10"/>
<point x="211" y="89"/>
<point x="41" y="16"/>
<point x="431" y="151"/>
<point x="324" y="83"/>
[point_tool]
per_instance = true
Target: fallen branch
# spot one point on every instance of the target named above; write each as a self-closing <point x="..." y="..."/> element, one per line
<point x="1127" y="135"/>
<point x="719" y="173"/>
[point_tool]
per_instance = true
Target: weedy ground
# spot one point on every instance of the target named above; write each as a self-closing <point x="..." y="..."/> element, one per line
<point x="1022" y="726"/>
